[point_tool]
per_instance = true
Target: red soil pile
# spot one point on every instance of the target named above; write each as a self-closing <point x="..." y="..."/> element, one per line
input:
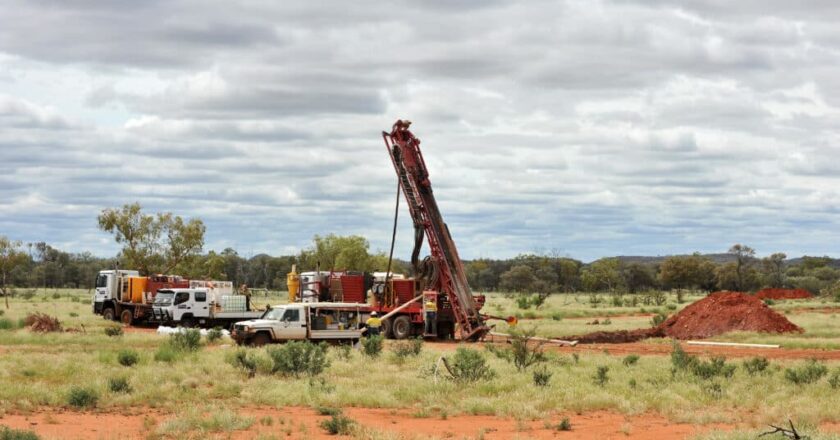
<point x="722" y="312"/>
<point x="718" y="313"/>
<point x="783" y="294"/>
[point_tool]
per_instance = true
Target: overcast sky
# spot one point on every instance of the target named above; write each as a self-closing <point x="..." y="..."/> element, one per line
<point x="584" y="128"/>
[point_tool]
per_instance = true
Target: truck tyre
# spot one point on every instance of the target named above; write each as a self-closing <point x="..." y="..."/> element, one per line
<point x="401" y="327"/>
<point x="108" y="313"/>
<point x="260" y="339"/>
<point x="385" y="329"/>
<point x="188" y="322"/>
<point x="126" y="317"/>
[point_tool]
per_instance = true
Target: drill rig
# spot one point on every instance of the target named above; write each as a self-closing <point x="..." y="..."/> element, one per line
<point x="440" y="275"/>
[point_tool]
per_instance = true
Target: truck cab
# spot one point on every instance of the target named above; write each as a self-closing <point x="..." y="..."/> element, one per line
<point x="185" y="306"/>
<point x="107" y="290"/>
<point x="325" y="321"/>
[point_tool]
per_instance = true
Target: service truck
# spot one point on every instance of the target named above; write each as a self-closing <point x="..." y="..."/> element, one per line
<point x="318" y="321"/>
<point x="200" y="307"/>
<point x="126" y="296"/>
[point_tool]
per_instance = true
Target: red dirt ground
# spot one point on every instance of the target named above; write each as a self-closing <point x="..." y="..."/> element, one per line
<point x="302" y="423"/>
<point x="718" y="313"/>
<point x="783" y="294"/>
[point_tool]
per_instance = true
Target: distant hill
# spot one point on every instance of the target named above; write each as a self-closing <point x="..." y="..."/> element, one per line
<point x="717" y="258"/>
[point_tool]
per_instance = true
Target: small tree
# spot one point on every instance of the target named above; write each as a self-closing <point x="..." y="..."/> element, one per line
<point x="523" y="352"/>
<point x="10" y="258"/>
<point x="744" y="257"/>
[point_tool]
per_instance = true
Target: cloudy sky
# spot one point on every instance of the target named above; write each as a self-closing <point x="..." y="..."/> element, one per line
<point x="581" y="128"/>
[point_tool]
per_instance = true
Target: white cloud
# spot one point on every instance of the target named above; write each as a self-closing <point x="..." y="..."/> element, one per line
<point x="587" y="128"/>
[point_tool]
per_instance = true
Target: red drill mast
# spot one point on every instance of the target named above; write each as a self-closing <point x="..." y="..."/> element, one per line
<point x="443" y="272"/>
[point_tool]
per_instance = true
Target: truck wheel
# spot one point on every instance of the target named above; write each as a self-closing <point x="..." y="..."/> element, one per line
<point x="108" y="314"/>
<point x="401" y="328"/>
<point x="385" y="329"/>
<point x="188" y="323"/>
<point x="126" y="317"/>
<point x="260" y="339"/>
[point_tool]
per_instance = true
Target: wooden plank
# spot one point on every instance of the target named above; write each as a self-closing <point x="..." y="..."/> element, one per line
<point x="732" y="344"/>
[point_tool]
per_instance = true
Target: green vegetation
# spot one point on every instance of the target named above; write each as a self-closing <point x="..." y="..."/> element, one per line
<point x="337" y="424"/>
<point x="372" y="345"/>
<point x="119" y="385"/>
<point x="469" y="365"/>
<point x="16" y="434"/>
<point x="81" y="397"/>
<point x="805" y="374"/>
<point x="127" y="357"/>
<point x="299" y="358"/>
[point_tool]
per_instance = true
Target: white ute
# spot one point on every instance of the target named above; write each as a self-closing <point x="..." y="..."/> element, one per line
<point x="322" y="321"/>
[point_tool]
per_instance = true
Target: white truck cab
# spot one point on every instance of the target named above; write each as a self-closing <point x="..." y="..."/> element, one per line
<point x="107" y="290"/>
<point x="322" y="321"/>
<point x="199" y="307"/>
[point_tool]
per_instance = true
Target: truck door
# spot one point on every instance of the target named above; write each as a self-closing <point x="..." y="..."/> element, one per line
<point x="181" y="305"/>
<point x="201" y="307"/>
<point x="292" y="324"/>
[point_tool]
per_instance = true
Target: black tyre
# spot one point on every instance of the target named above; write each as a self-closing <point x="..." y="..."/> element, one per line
<point x="260" y="339"/>
<point x="108" y="314"/>
<point x="401" y="328"/>
<point x="385" y="330"/>
<point x="127" y="317"/>
<point x="188" y="322"/>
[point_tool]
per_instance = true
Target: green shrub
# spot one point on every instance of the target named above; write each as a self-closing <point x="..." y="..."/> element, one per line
<point x="2" y="312"/>
<point x="529" y="315"/>
<point x="717" y="366"/>
<point x="214" y="334"/>
<point x="408" y="347"/>
<point x="337" y="425"/>
<point x="114" y="330"/>
<point x="17" y="434"/>
<point x="75" y="299"/>
<point x="119" y="385"/>
<point x="617" y="300"/>
<point x="657" y="319"/>
<point x="80" y="397"/>
<point x="834" y="379"/>
<point x="557" y="316"/>
<point x="606" y="321"/>
<point x="165" y="353"/>
<point x="56" y="295"/>
<point x="469" y="365"/>
<point x="299" y="357"/>
<point x="769" y="301"/>
<point x="244" y="360"/>
<point x="74" y="315"/>
<point x="372" y="345"/>
<point x="680" y="360"/>
<point x="600" y="377"/>
<point x="630" y="360"/>
<point x="7" y="324"/>
<point x="328" y="411"/>
<point x="523" y="302"/>
<point x="671" y="307"/>
<point x="756" y="365"/>
<point x="564" y="425"/>
<point x="186" y="340"/>
<point x="344" y="351"/>
<point x="27" y="295"/>
<point x="127" y="357"/>
<point x="808" y="373"/>
<point x="541" y="377"/>
<point x="521" y="353"/>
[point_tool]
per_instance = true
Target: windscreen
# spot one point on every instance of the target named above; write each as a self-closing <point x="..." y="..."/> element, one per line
<point x="164" y="298"/>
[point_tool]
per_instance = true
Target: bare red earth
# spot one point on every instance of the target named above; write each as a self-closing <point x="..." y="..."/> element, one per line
<point x="718" y="313"/>
<point x="783" y="294"/>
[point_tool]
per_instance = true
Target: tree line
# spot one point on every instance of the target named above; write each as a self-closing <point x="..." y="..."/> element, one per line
<point x="166" y="243"/>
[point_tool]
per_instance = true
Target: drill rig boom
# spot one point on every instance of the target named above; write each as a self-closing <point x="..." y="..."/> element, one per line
<point x="444" y="271"/>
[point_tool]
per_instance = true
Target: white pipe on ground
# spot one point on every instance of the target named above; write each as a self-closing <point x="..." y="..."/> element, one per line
<point x="551" y="341"/>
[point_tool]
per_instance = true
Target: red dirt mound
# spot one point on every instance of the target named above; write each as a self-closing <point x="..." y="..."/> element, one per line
<point x="722" y="312"/>
<point x="718" y="313"/>
<point x="783" y="294"/>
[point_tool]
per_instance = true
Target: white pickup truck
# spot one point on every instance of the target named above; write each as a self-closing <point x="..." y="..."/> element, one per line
<point x="199" y="307"/>
<point x="322" y="321"/>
